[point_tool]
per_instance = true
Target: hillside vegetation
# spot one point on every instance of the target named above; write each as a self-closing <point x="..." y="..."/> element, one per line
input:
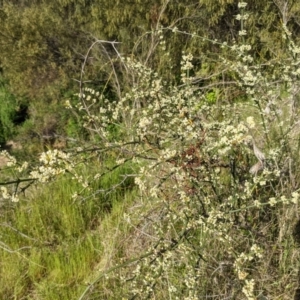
<point x="150" y="150"/>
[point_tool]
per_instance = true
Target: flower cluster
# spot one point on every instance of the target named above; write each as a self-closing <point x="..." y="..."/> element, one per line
<point x="198" y="205"/>
<point x="242" y="268"/>
<point x="53" y="163"/>
<point x="6" y="195"/>
<point x="9" y="160"/>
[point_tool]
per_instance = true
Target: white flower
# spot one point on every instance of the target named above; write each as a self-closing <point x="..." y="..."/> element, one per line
<point x="23" y="167"/>
<point x="5" y="193"/>
<point x="284" y="199"/>
<point x="250" y="122"/>
<point x="256" y="203"/>
<point x="272" y="201"/>
<point x="120" y="161"/>
<point x="248" y="289"/>
<point x="74" y="196"/>
<point x="14" y="198"/>
<point x="68" y="104"/>
<point x="262" y="182"/>
<point x="295" y="197"/>
<point x="256" y="250"/>
<point x="242" y="4"/>
<point x="242" y="32"/>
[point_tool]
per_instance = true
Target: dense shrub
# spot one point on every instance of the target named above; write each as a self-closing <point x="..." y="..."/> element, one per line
<point x="217" y="175"/>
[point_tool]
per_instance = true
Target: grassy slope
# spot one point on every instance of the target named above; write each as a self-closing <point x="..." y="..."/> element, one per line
<point x="52" y="245"/>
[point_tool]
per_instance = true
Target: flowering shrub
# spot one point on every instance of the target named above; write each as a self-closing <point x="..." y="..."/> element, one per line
<point x="211" y="208"/>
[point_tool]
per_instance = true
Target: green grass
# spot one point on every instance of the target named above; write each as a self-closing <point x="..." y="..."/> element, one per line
<point x="55" y="244"/>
